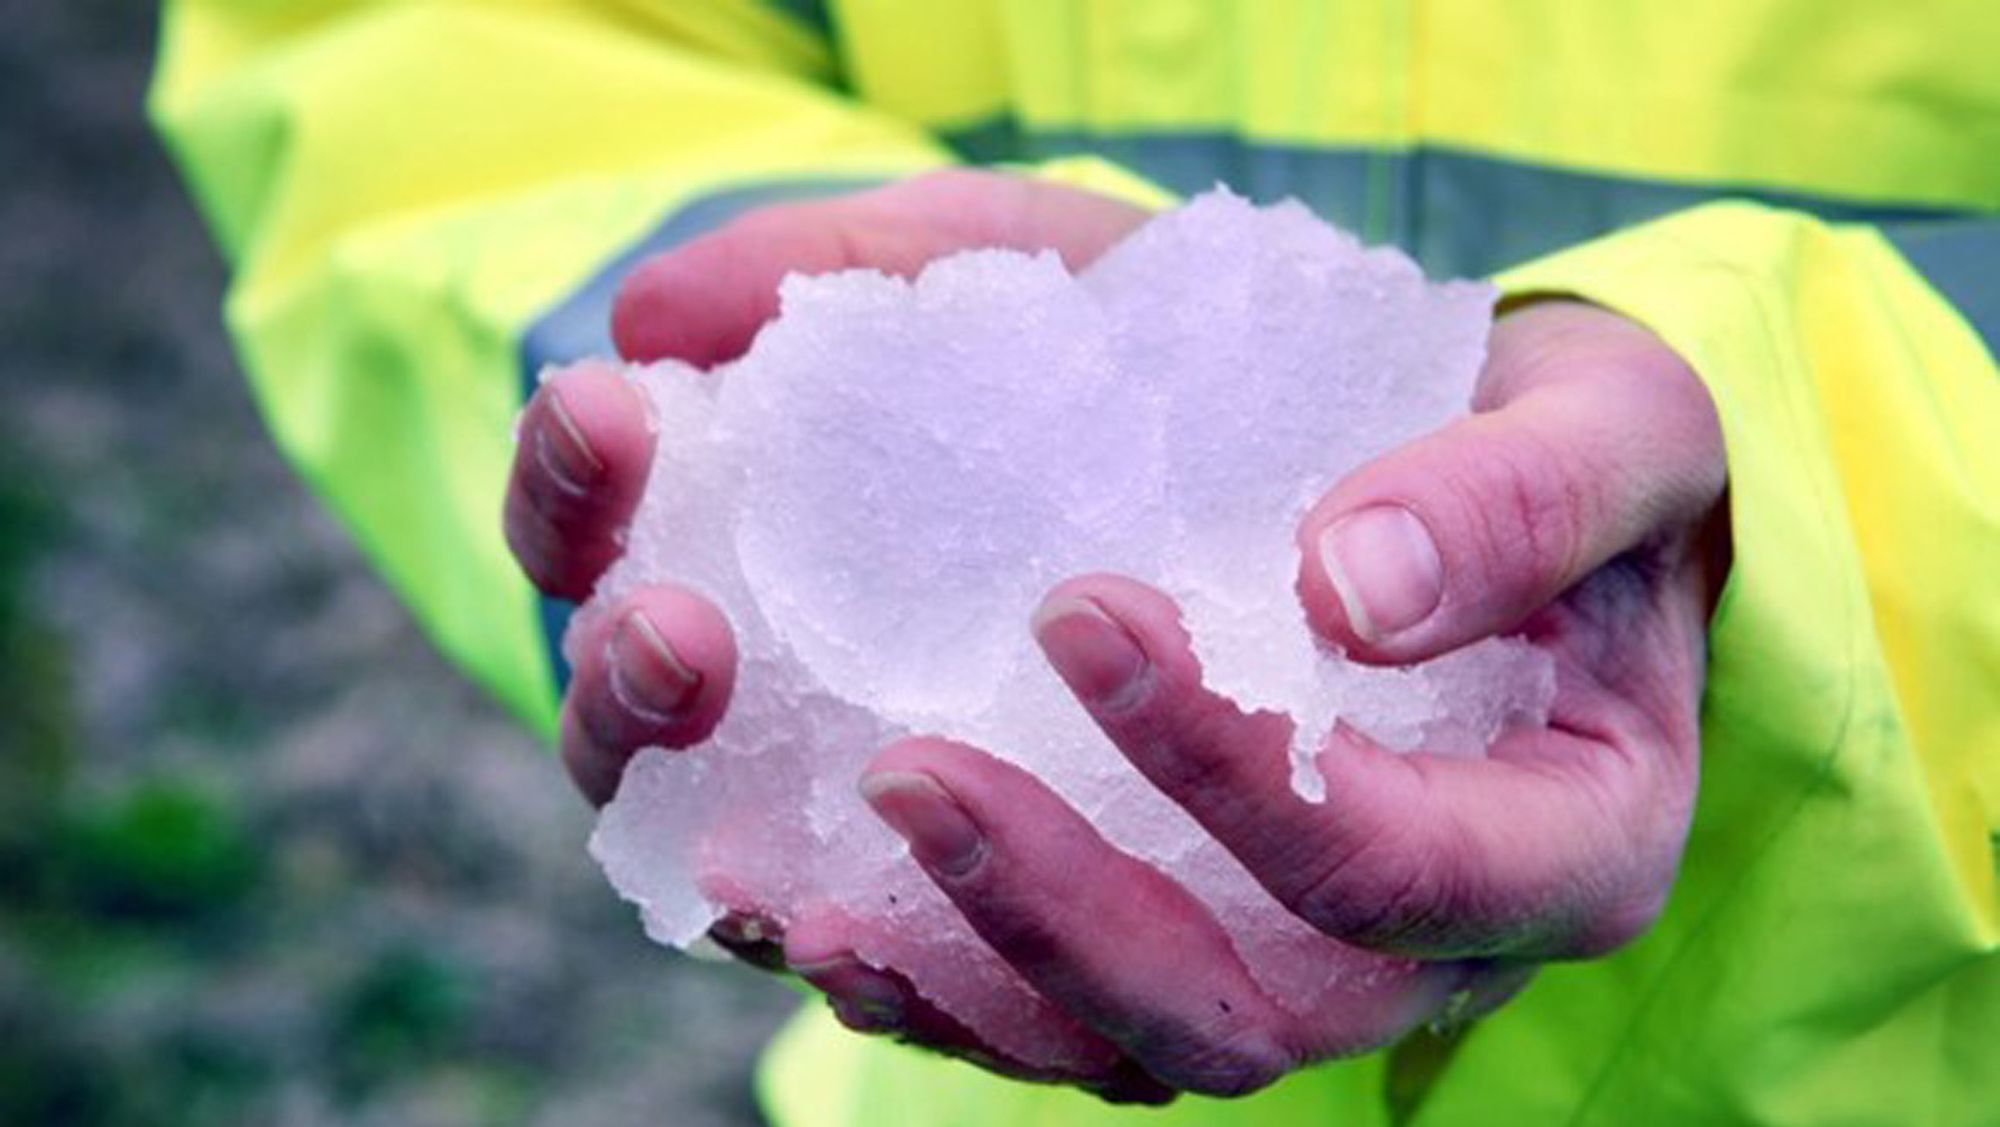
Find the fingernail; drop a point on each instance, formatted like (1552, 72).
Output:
(1093, 653)
(562, 452)
(942, 837)
(647, 677)
(1384, 567)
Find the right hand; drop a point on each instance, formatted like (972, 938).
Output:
(658, 671)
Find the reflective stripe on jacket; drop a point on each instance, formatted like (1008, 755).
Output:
(424, 202)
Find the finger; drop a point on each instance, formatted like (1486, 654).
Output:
(579, 470)
(1118, 943)
(1104, 935)
(1064, 907)
(1120, 647)
(1591, 438)
(868, 999)
(655, 672)
(703, 302)
(1552, 846)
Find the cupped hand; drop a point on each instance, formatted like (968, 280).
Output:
(658, 670)
(1578, 506)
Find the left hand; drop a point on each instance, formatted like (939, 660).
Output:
(1580, 505)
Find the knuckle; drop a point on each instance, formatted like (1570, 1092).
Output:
(1387, 892)
(1514, 515)
(1194, 745)
(1185, 760)
(1620, 924)
(1218, 764)
(1226, 1063)
(1532, 512)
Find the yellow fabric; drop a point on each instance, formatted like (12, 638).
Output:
(1861, 416)
(403, 187)
(1861, 99)
(1829, 951)
(816, 1074)
(1887, 100)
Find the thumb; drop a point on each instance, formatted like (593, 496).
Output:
(1590, 438)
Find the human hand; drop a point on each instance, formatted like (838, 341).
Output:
(661, 674)
(658, 669)
(1580, 505)
(585, 445)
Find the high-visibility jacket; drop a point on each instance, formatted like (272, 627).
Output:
(424, 202)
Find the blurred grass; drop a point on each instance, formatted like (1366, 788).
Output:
(97, 890)
(263, 858)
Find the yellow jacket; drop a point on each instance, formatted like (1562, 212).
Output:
(425, 201)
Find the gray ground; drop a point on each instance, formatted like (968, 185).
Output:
(263, 856)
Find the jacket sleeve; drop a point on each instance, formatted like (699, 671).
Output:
(404, 190)
(1829, 951)
(1836, 920)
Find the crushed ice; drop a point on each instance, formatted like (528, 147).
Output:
(881, 491)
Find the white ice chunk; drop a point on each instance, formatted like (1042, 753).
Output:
(880, 492)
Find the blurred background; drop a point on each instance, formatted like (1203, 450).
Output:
(263, 857)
